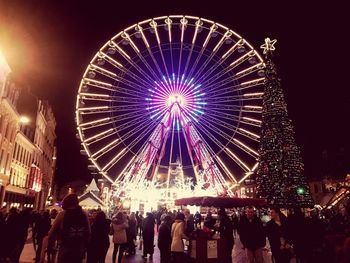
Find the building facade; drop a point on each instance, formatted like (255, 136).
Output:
(27, 145)
(44, 140)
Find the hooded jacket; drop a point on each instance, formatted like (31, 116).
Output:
(118, 228)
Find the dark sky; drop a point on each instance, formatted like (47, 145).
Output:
(50, 43)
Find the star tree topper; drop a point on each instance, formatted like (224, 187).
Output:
(269, 45)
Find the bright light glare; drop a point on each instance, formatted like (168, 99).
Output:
(24, 119)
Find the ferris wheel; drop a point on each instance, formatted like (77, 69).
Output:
(173, 92)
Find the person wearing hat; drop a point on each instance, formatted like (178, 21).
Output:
(164, 238)
(177, 235)
(72, 230)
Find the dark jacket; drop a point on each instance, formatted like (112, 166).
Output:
(164, 236)
(251, 233)
(99, 234)
(148, 234)
(275, 233)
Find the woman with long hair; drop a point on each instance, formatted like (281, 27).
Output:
(118, 230)
(99, 241)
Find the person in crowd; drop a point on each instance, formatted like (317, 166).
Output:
(13, 233)
(92, 216)
(99, 241)
(189, 222)
(177, 236)
(198, 219)
(43, 226)
(252, 235)
(226, 233)
(209, 221)
(72, 230)
(148, 236)
(277, 233)
(164, 239)
(235, 221)
(301, 235)
(157, 217)
(53, 215)
(35, 219)
(131, 234)
(25, 221)
(2, 235)
(118, 230)
(140, 224)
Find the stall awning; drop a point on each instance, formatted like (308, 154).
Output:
(226, 202)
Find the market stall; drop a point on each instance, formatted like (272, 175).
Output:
(207, 246)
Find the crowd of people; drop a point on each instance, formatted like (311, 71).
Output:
(74, 235)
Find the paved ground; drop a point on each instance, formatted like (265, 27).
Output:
(238, 254)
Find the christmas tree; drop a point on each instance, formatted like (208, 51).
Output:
(279, 175)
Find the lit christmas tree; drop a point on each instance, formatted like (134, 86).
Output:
(279, 176)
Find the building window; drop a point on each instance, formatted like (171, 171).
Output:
(7, 161)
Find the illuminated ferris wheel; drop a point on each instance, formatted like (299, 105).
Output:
(170, 93)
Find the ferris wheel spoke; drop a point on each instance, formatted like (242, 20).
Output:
(114, 77)
(96, 155)
(168, 23)
(161, 53)
(201, 52)
(114, 160)
(99, 136)
(220, 162)
(131, 62)
(121, 68)
(219, 62)
(210, 58)
(212, 126)
(199, 23)
(140, 30)
(216, 91)
(235, 77)
(234, 157)
(209, 78)
(233, 98)
(138, 52)
(141, 57)
(214, 118)
(107, 109)
(138, 120)
(142, 135)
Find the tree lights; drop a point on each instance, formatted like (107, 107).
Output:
(280, 176)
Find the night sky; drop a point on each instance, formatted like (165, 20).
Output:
(49, 44)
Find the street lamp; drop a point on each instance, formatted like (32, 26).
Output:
(24, 120)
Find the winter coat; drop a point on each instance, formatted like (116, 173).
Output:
(276, 233)
(164, 236)
(148, 235)
(251, 233)
(177, 234)
(119, 231)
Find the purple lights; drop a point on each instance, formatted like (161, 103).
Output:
(179, 96)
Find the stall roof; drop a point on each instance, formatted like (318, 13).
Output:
(226, 202)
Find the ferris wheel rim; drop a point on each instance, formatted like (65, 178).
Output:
(80, 131)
